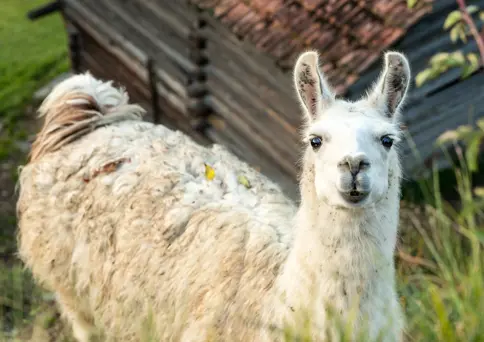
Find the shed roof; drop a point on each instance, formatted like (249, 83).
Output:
(349, 34)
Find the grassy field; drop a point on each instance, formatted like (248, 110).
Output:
(440, 257)
(31, 54)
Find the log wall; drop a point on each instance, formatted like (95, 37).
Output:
(191, 74)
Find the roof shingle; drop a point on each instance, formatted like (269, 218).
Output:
(349, 34)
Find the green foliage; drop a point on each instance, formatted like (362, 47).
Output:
(18, 296)
(471, 137)
(453, 18)
(455, 23)
(445, 295)
(31, 54)
(444, 61)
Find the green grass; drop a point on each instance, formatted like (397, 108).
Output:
(444, 291)
(31, 54)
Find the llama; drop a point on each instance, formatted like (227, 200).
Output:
(117, 217)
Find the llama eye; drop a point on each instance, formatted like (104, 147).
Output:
(316, 142)
(386, 141)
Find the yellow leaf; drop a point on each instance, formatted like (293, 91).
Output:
(474, 59)
(452, 19)
(458, 57)
(464, 129)
(411, 3)
(438, 58)
(209, 172)
(480, 124)
(447, 136)
(244, 181)
(479, 191)
(462, 34)
(454, 33)
(472, 9)
(423, 76)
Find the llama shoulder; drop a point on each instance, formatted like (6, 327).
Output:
(138, 153)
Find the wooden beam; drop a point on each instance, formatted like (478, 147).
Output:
(44, 10)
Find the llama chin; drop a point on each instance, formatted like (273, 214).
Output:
(117, 217)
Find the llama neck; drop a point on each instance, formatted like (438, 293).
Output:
(324, 227)
(340, 254)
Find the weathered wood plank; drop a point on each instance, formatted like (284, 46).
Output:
(95, 55)
(221, 84)
(98, 29)
(106, 66)
(280, 99)
(132, 57)
(100, 15)
(286, 159)
(172, 119)
(140, 20)
(257, 122)
(256, 60)
(177, 14)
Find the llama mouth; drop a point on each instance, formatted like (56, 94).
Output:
(354, 196)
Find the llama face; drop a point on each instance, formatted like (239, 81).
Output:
(353, 151)
(352, 146)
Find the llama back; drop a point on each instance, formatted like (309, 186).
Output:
(116, 216)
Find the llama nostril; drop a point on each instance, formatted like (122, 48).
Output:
(345, 165)
(364, 164)
(354, 165)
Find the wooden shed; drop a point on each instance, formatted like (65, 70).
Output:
(221, 70)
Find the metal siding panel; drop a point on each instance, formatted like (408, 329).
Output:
(438, 114)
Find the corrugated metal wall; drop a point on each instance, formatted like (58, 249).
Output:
(443, 103)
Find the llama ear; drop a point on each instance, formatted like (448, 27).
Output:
(311, 87)
(391, 88)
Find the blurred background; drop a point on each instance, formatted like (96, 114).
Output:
(221, 71)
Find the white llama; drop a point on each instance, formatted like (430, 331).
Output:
(118, 218)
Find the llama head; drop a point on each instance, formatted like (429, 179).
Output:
(351, 158)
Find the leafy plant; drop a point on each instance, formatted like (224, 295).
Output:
(460, 25)
(472, 139)
(444, 287)
(444, 61)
